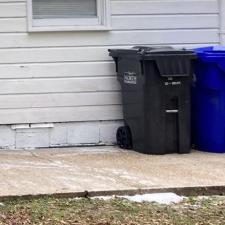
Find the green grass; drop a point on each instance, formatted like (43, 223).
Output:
(84, 211)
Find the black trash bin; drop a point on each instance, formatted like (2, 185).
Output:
(155, 86)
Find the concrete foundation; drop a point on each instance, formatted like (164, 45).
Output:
(26, 136)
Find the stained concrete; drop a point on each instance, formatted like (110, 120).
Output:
(65, 170)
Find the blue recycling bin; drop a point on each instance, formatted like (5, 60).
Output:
(208, 100)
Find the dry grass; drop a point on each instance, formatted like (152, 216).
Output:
(48, 211)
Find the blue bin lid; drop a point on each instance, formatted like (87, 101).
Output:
(211, 53)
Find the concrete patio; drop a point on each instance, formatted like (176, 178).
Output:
(100, 169)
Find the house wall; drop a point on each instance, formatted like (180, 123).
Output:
(222, 21)
(68, 79)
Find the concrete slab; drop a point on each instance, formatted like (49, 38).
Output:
(49, 171)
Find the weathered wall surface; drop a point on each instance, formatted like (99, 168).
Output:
(67, 78)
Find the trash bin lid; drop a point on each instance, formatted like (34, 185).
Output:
(169, 61)
(211, 53)
(161, 50)
(151, 51)
(145, 49)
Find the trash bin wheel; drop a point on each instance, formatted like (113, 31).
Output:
(123, 137)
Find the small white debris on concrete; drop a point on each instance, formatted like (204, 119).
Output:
(2, 204)
(161, 198)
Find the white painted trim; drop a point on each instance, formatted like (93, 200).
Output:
(102, 22)
(20, 126)
(66, 22)
(68, 28)
(29, 15)
(222, 21)
(42, 125)
(31, 126)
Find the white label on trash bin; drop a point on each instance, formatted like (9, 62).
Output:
(173, 83)
(130, 78)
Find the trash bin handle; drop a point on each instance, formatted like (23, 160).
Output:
(116, 63)
(142, 67)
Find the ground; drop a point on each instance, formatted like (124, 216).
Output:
(105, 169)
(85, 211)
(72, 171)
